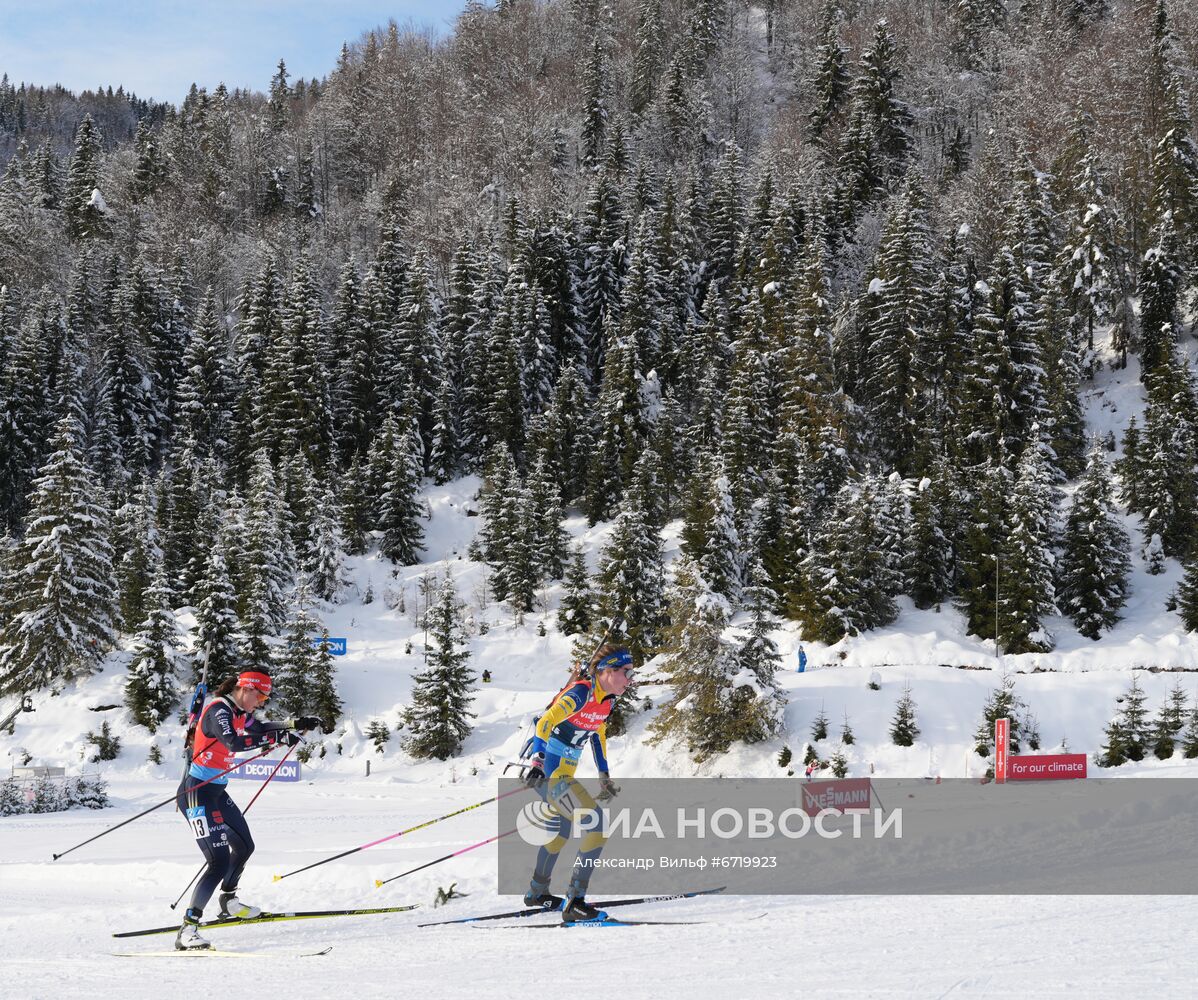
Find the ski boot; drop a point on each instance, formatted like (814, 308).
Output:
(539, 895)
(577, 910)
(188, 938)
(232, 908)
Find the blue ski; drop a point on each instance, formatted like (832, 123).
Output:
(534, 910)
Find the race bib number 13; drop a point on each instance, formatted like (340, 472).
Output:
(198, 821)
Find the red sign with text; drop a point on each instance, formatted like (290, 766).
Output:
(848, 793)
(1046, 767)
(1002, 734)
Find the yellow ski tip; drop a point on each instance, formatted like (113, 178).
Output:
(378, 883)
(277, 878)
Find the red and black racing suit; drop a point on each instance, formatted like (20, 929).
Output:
(217, 823)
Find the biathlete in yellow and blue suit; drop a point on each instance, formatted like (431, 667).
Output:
(578, 716)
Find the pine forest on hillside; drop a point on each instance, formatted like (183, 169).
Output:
(823, 281)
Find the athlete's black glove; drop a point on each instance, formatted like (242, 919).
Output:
(534, 772)
(288, 738)
(306, 723)
(608, 789)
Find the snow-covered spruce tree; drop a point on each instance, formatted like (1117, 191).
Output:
(903, 730)
(190, 511)
(1187, 596)
(295, 411)
(207, 391)
(257, 629)
(65, 597)
(218, 628)
(545, 530)
(631, 578)
(400, 512)
(899, 302)
(1161, 280)
(1088, 264)
(649, 57)
(298, 484)
(497, 503)
(438, 720)
(1175, 162)
(1094, 566)
(1189, 737)
(1026, 559)
(520, 573)
(748, 409)
(1154, 555)
(577, 611)
(1168, 724)
(848, 584)
(1168, 484)
(819, 725)
(758, 703)
(9, 579)
(830, 79)
(711, 534)
(150, 690)
(294, 662)
(700, 665)
(565, 432)
(930, 551)
(326, 556)
(1002, 703)
(83, 207)
(323, 698)
(266, 567)
(135, 537)
(1127, 735)
(354, 505)
(624, 426)
(987, 493)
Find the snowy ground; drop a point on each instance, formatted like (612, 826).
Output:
(56, 917)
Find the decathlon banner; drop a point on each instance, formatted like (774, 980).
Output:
(260, 770)
(1046, 767)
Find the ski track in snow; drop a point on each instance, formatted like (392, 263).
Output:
(56, 917)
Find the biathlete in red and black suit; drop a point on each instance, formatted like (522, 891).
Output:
(577, 716)
(227, 726)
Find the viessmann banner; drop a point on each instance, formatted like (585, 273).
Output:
(887, 836)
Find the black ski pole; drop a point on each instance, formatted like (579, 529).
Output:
(146, 812)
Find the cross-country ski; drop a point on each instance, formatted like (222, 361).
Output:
(218, 953)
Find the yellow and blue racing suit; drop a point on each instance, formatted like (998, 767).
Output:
(578, 716)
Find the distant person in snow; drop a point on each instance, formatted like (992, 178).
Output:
(577, 716)
(226, 727)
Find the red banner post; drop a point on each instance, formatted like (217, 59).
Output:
(1002, 740)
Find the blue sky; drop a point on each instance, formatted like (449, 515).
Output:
(156, 48)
